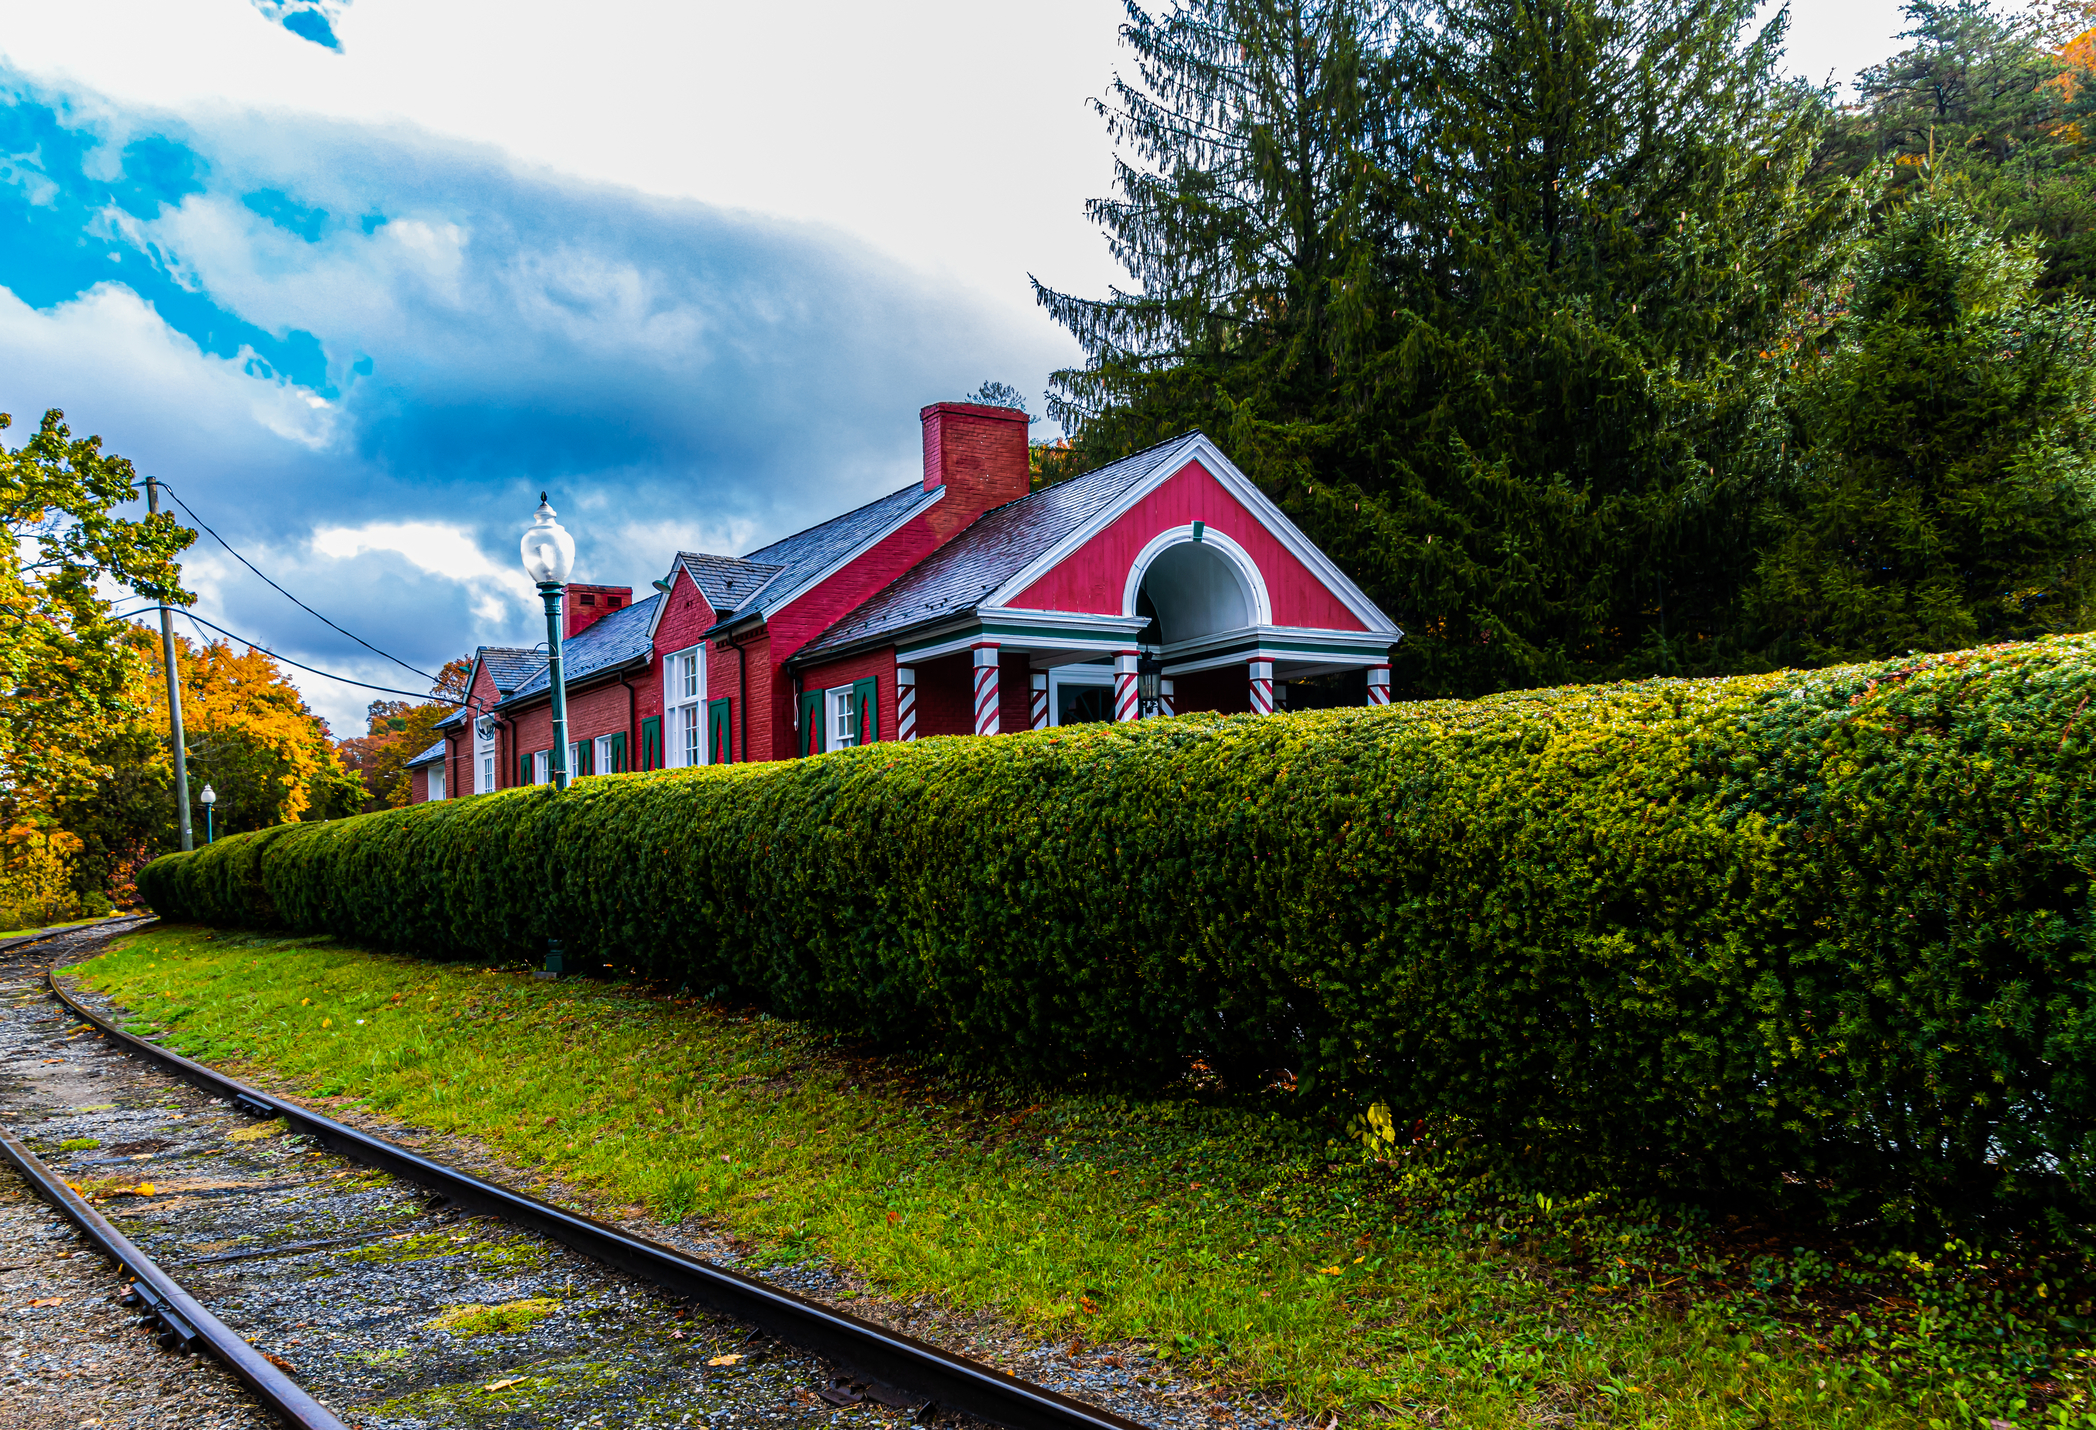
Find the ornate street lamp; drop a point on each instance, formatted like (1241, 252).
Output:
(209, 797)
(549, 555)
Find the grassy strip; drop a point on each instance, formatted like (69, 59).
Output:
(1227, 1236)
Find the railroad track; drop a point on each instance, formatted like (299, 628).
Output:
(327, 1267)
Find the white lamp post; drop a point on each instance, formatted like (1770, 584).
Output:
(209, 797)
(549, 555)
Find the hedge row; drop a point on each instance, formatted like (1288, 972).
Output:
(1817, 938)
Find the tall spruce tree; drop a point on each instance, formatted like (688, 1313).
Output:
(1480, 294)
(1946, 463)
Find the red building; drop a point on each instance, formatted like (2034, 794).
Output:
(962, 604)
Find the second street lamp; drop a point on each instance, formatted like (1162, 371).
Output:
(549, 555)
(208, 798)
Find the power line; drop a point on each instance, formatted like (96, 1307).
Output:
(198, 620)
(295, 600)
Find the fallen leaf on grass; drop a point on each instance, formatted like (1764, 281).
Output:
(280, 1363)
(49, 1301)
(725, 1360)
(504, 1384)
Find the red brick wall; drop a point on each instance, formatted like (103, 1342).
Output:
(875, 665)
(946, 695)
(1014, 694)
(418, 784)
(598, 709)
(978, 454)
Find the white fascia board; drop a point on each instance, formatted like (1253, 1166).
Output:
(1337, 649)
(910, 513)
(663, 605)
(1022, 629)
(1199, 448)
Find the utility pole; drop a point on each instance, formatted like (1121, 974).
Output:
(174, 697)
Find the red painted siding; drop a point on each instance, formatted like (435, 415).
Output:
(1092, 577)
(877, 666)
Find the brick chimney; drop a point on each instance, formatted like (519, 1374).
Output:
(589, 604)
(978, 454)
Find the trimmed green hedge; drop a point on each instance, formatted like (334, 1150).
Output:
(1810, 938)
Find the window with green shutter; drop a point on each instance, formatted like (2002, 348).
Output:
(618, 754)
(651, 743)
(811, 723)
(720, 732)
(866, 705)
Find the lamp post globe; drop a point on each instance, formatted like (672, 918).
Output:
(208, 798)
(549, 552)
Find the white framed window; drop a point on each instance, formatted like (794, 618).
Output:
(484, 754)
(1079, 694)
(574, 758)
(542, 767)
(842, 719)
(603, 753)
(436, 781)
(684, 706)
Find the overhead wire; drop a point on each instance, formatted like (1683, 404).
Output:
(291, 598)
(199, 621)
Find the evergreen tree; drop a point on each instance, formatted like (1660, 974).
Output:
(1481, 295)
(1945, 491)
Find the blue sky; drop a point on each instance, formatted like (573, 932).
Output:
(360, 277)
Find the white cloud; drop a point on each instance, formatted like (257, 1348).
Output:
(440, 550)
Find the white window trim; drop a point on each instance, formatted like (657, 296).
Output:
(1061, 675)
(436, 781)
(675, 702)
(831, 725)
(483, 759)
(542, 767)
(602, 764)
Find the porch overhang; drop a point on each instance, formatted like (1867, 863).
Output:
(1050, 638)
(1297, 652)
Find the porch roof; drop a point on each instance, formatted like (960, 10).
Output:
(429, 756)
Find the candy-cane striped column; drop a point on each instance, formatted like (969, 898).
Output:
(1126, 704)
(905, 702)
(986, 721)
(1379, 685)
(1165, 704)
(1262, 687)
(1040, 702)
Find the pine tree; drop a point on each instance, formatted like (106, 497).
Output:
(1946, 470)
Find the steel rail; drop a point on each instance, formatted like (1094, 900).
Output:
(184, 1324)
(876, 1353)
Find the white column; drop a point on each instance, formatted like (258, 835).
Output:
(1126, 704)
(1379, 685)
(1040, 700)
(905, 702)
(986, 721)
(1262, 687)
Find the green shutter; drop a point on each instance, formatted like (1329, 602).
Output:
(618, 754)
(651, 743)
(524, 769)
(811, 723)
(720, 732)
(866, 703)
(585, 759)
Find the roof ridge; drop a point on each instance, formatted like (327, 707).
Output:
(862, 506)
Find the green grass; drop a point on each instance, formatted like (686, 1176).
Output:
(1253, 1247)
(79, 1144)
(505, 1319)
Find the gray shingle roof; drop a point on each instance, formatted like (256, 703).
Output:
(508, 666)
(609, 642)
(727, 582)
(429, 756)
(807, 553)
(990, 552)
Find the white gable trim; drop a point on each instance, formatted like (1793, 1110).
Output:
(663, 605)
(1198, 448)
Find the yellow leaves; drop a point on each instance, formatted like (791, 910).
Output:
(327, 1022)
(725, 1360)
